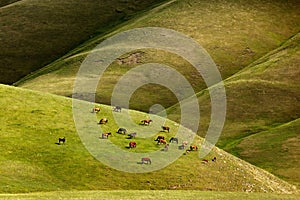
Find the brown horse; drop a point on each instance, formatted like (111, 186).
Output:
(105, 135)
(166, 128)
(96, 110)
(146, 160)
(193, 148)
(160, 137)
(103, 121)
(146, 121)
(161, 142)
(132, 144)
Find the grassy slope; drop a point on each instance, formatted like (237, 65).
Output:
(276, 150)
(31, 161)
(35, 33)
(234, 34)
(263, 96)
(148, 194)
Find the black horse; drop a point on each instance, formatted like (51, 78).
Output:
(131, 135)
(173, 139)
(63, 140)
(117, 109)
(122, 130)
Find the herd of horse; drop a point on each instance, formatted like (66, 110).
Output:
(132, 144)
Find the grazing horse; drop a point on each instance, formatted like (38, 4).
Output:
(117, 109)
(132, 144)
(95, 110)
(173, 140)
(161, 142)
(193, 148)
(214, 159)
(146, 121)
(63, 140)
(160, 137)
(105, 135)
(146, 160)
(103, 121)
(131, 135)
(122, 130)
(166, 128)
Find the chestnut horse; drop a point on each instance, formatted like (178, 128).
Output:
(96, 110)
(162, 142)
(146, 160)
(160, 137)
(166, 128)
(193, 148)
(146, 121)
(132, 144)
(105, 135)
(103, 121)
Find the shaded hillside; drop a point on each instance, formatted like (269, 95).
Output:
(276, 150)
(35, 33)
(263, 99)
(7, 2)
(234, 33)
(31, 161)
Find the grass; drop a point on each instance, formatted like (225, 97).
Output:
(225, 30)
(146, 194)
(280, 141)
(31, 161)
(40, 32)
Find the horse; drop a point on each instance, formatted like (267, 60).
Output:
(117, 109)
(103, 121)
(166, 128)
(173, 140)
(161, 142)
(131, 135)
(63, 140)
(95, 110)
(193, 148)
(214, 159)
(122, 130)
(105, 135)
(146, 121)
(132, 144)
(147, 160)
(160, 137)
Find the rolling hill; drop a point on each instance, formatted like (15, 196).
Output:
(255, 48)
(255, 45)
(261, 98)
(32, 161)
(35, 33)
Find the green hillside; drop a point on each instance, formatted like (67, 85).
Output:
(234, 34)
(35, 33)
(32, 161)
(276, 150)
(260, 99)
